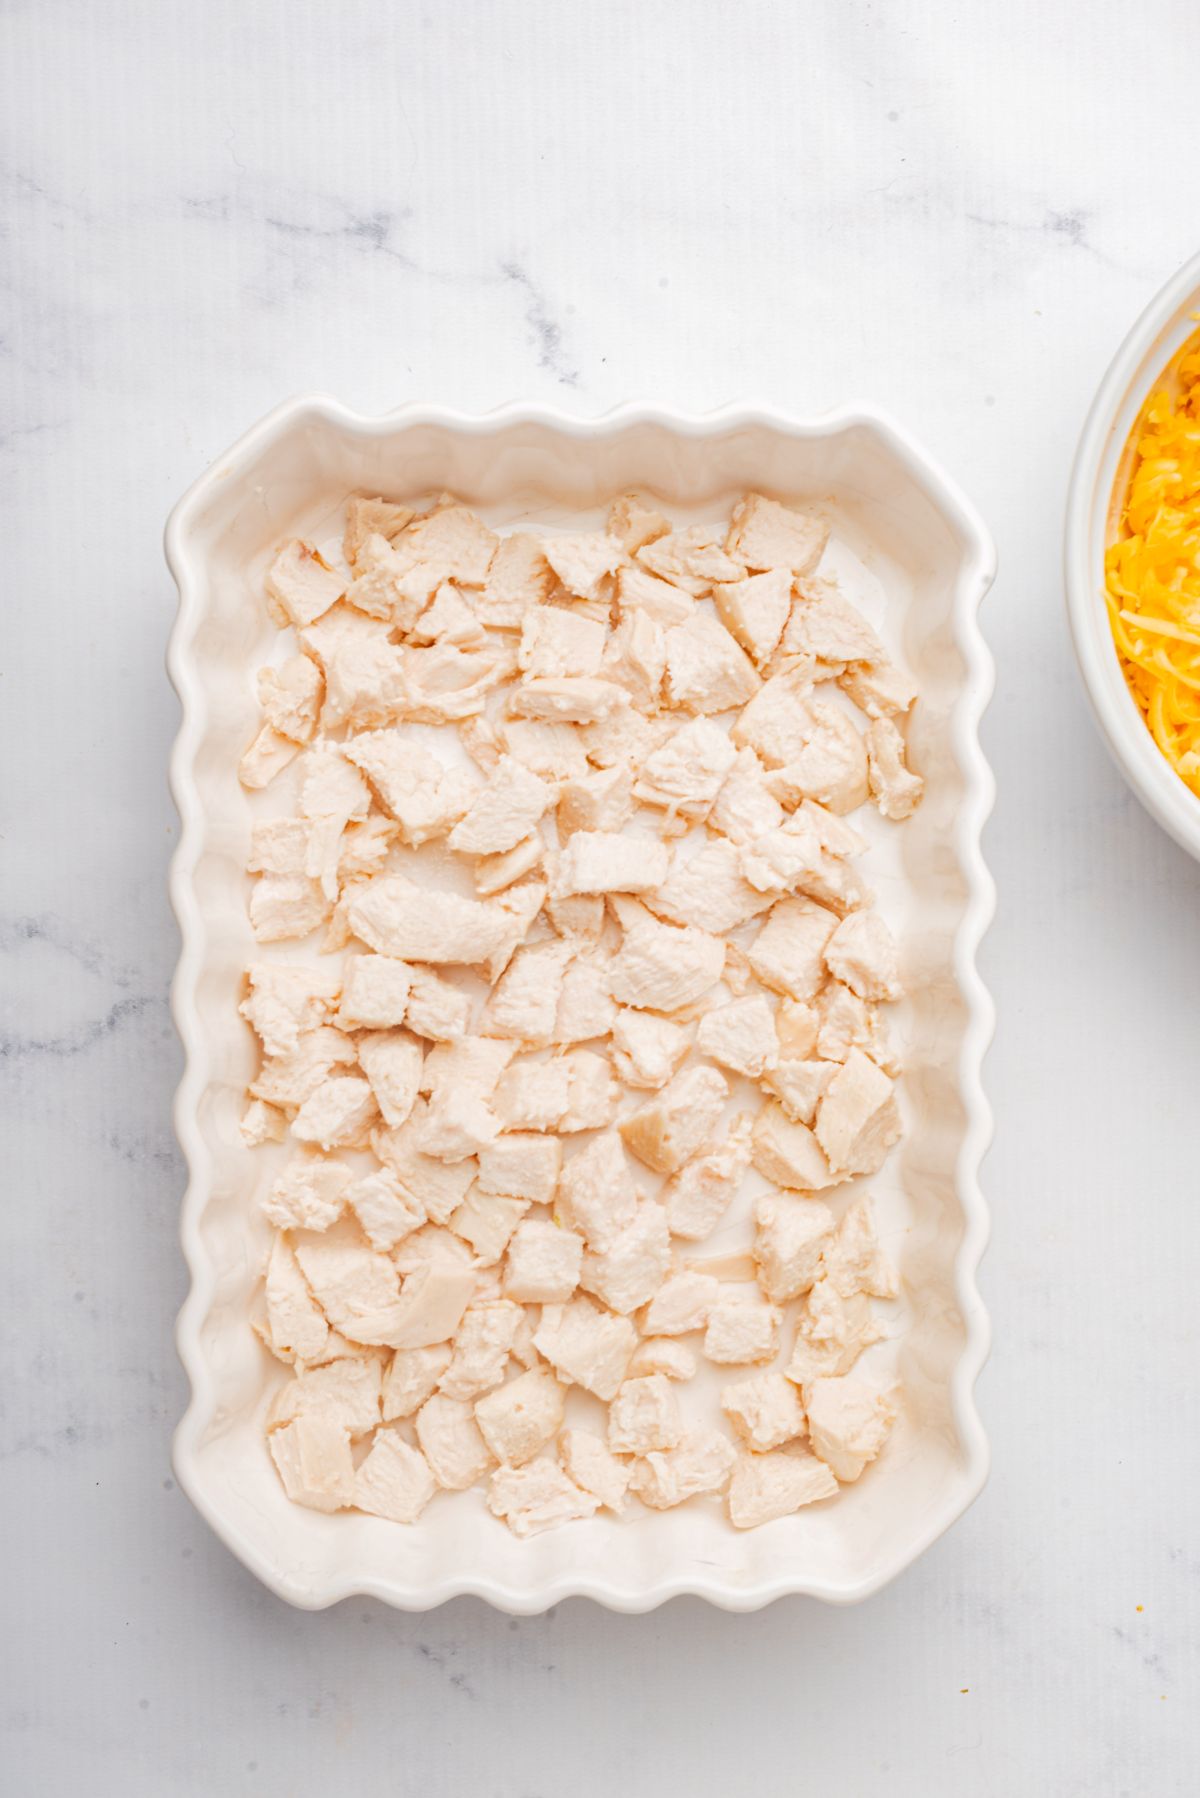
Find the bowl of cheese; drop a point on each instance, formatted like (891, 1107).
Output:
(1133, 557)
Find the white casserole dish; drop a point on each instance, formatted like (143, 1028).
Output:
(927, 561)
(1092, 523)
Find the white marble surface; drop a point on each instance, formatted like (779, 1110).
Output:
(954, 211)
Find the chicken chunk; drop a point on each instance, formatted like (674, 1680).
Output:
(741, 1036)
(777, 722)
(790, 1238)
(301, 583)
(681, 1304)
(679, 1122)
(587, 1346)
(862, 954)
(647, 1049)
(600, 861)
(708, 890)
(755, 610)
(504, 811)
(295, 1321)
(597, 1186)
(742, 1326)
(538, 1497)
(339, 1114)
(425, 798)
(765, 1410)
(764, 1487)
(665, 1355)
(385, 1211)
(394, 1481)
(599, 801)
(582, 561)
(436, 1008)
(691, 558)
(290, 696)
(700, 1463)
(567, 699)
(518, 579)
(643, 1416)
(518, 1419)
(788, 1153)
(544, 1263)
(411, 1378)
(707, 671)
(698, 1196)
(285, 1001)
(857, 1120)
(686, 773)
(523, 1006)
(486, 1220)
(663, 967)
(635, 656)
(632, 523)
(587, 1461)
(832, 767)
(313, 1460)
(395, 917)
(848, 1424)
(375, 994)
(391, 1060)
(558, 642)
(345, 1392)
(663, 601)
(628, 1273)
(745, 809)
(451, 1443)
(763, 534)
(521, 1165)
(586, 1008)
(896, 790)
(787, 955)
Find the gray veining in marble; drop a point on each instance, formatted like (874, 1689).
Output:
(954, 211)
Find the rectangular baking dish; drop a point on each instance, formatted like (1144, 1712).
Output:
(928, 561)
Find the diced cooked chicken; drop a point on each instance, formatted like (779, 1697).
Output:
(544, 1262)
(518, 1419)
(287, 1080)
(412, 1377)
(853, 1261)
(764, 534)
(699, 1463)
(862, 954)
(787, 955)
(788, 1153)
(286, 906)
(686, 772)
(631, 522)
(533, 1095)
(365, 685)
(691, 558)
(290, 696)
(665, 1355)
(896, 790)
(755, 610)
(635, 656)
(339, 1114)
(742, 1326)
(457, 1123)
(444, 684)
(440, 1186)
(582, 562)
(386, 1212)
(365, 847)
(302, 584)
(794, 859)
(591, 1092)
(391, 1060)
(598, 1187)
(880, 689)
(357, 1288)
(558, 642)
(826, 627)
(538, 1497)
(765, 1410)
(777, 723)
(425, 798)
(516, 908)
(663, 601)
(375, 993)
(587, 1461)
(764, 1487)
(628, 1273)
(599, 801)
(436, 1008)
(432, 1301)
(524, 1003)
(831, 767)
(333, 794)
(314, 1462)
(308, 1195)
(624, 738)
(579, 920)
(587, 1346)
(504, 811)
(344, 1392)
(799, 1085)
(284, 1001)
(519, 577)
(707, 671)
(791, 1236)
(295, 1322)
(395, 917)
(394, 1481)
(493, 873)
(708, 890)
(555, 751)
(745, 809)
(451, 1443)
(481, 1349)
(663, 967)
(844, 1022)
(848, 1424)
(278, 846)
(698, 1196)
(453, 543)
(370, 518)
(741, 1036)
(857, 1120)
(679, 1122)
(262, 1123)
(602, 861)
(681, 1304)
(567, 699)
(586, 1008)
(520, 1165)
(449, 619)
(796, 1025)
(644, 1416)
(486, 1220)
(832, 1331)
(647, 1049)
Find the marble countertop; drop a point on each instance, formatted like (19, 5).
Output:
(955, 212)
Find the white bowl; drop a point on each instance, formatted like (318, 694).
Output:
(1158, 335)
(932, 562)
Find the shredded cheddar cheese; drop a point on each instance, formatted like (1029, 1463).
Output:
(1152, 574)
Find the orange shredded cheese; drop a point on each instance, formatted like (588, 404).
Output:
(1152, 574)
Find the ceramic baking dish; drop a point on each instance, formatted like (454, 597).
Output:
(923, 562)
